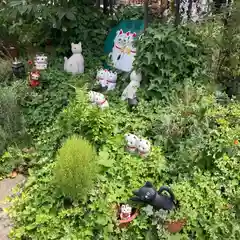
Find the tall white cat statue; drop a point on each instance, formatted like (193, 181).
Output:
(131, 89)
(75, 64)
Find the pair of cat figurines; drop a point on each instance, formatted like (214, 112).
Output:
(137, 145)
(98, 99)
(107, 79)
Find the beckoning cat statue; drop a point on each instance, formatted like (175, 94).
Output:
(132, 142)
(148, 194)
(98, 99)
(107, 78)
(131, 89)
(41, 62)
(125, 212)
(143, 147)
(75, 64)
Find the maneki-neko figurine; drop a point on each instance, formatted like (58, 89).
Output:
(34, 78)
(41, 62)
(125, 212)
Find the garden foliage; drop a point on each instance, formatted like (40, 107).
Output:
(194, 136)
(170, 56)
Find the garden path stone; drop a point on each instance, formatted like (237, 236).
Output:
(6, 186)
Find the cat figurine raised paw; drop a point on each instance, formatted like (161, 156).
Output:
(75, 64)
(101, 101)
(144, 147)
(132, 142)
(102, 77)
(111, 80)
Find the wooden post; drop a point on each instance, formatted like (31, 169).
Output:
(177, 12)
(145, 14)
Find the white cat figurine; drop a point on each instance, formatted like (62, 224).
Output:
(112, 80)
(102, 77)
(41, 62)
(75, 64)
(101, 101)
(132, 142)
(92, 97)
(131, 89)
(144, 147)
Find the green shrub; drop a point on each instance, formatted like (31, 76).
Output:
(5, 71)
(169, 56)
(76, 168)
(12, 126)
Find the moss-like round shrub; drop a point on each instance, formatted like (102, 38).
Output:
(76, 168)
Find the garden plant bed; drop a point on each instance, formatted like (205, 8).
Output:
(89, 137)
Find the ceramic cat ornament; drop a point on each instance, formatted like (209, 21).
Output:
(107, 79)
(131, 89)
(143, 147)
(148, 194)
(75, 64)
(98, 99)
(125, 212)
(131, 141)
(41, 62)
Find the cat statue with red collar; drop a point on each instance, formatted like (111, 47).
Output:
(143, 147)
(75, 64)
(92, 97)
(132, 142)
(102, 77)
(112, 80)
(101, 101)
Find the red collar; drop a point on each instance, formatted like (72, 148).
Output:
(116, 46)
(103, 102)
(131, 147)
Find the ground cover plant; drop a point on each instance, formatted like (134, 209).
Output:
(195, 148)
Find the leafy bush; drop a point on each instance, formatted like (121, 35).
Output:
(11, 119)
(75, 168)
(42, 105)
(5, 71)
(61, 23)
(168, 56)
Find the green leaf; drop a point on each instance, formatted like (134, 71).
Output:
(104, 159)
(70, 16)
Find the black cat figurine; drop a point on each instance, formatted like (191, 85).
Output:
(147, 194)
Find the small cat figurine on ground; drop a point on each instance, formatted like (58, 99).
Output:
(98, 99)
(75, 64)
(112, 80)
(132, 142)
(125, 212)
(148, 194)
(102, 77)
(101, 101)
(144, 147)
(131, 89)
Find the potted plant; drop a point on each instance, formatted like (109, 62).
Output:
(175, 226)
